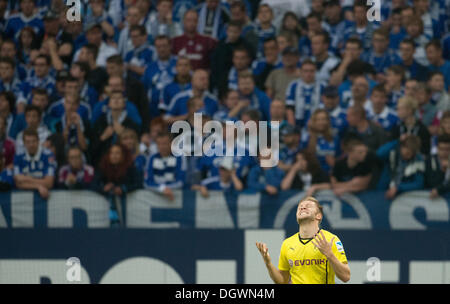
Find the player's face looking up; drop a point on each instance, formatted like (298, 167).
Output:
(308, 211)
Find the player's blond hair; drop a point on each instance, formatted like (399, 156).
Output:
(314, 200)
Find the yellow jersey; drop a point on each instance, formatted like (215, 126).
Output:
(305, 263)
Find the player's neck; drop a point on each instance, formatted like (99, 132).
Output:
(308, 229)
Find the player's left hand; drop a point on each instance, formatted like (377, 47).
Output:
(321, 243)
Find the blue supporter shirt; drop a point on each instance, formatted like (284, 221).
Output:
(164, 172)
(17, 22)
(178, 104)
(142, 56)
(325, 148)
(444, 69)
(7, 177)
(56, 110)
(102, 107)
(381, 63)
(170, 90)
(387, 119)
(40, 165)
(304, 98)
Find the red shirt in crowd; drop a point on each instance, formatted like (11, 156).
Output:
(198, 49)
(8, 150)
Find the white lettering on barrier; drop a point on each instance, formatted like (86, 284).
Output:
(429, 272)
(248, 207)
(388, 272)
(31, 271)
(141, 203)
(22, 209)
(401, 213)
(216, 271)
(141, 270)
(332, 213)
(212, 212)
(62, 203)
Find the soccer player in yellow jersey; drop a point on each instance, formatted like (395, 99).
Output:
(311, 256)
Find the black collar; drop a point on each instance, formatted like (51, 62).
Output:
(307, 239)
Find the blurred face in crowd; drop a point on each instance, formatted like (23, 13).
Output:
(196, 105)
(246, 85)
(406, 15)
(40, 100)
(406, 153)
(277, 110)
(114, 69)
(71, 104)
(115, 84)
(72, 87)
(422, 96)
(4, 105)
(330, 102)
(302, 161)
(445, 125)
(26, 37)
(164, 8)
(75, 159)
(264, 14)
(143, 5)
(32, 118)
(378, 100)
(333, 13)
(406, 52)
(233, 33)
(190, 22)
(116, 102)
(404, 111)
(291, 140)
(397, 20)
(163, 48)
(393, 78)
(94, 36)
(241, 60)
(282, 43)
(318, 45)
(411, 88)
(137, 38)
(115, 155)
(133, 16)
(353, 49)
(84, 55)
(8, 50)
(290, 60)
(2, 126)
(129, 141)
(321, 121)
(183, 67)
(443, 149)
(437, 83)
(421, 6)
(290, 23)
(200, 80)
(313, 24)
(212, 4)
(360, 14)
(352, 118)
(41, 67)
(380, 43)
(6, 72)
(434, 55)
(308, 73)
(413, 29)
(358, 153)
(232, 99)
(271, 51)
(238, 14)
(317, 6)
(76, 72)
(27, 7)
(31, 144)
(360, 88)
(164, 145)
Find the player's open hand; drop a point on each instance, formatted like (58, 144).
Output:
(262, 247)
(321, 243)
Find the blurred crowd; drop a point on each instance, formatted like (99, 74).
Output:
(359, 104)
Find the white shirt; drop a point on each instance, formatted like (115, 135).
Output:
(281, 7)
(104, 52)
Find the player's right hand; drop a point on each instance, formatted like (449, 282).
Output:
(262, 247)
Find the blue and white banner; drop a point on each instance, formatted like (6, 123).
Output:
(146, 209)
